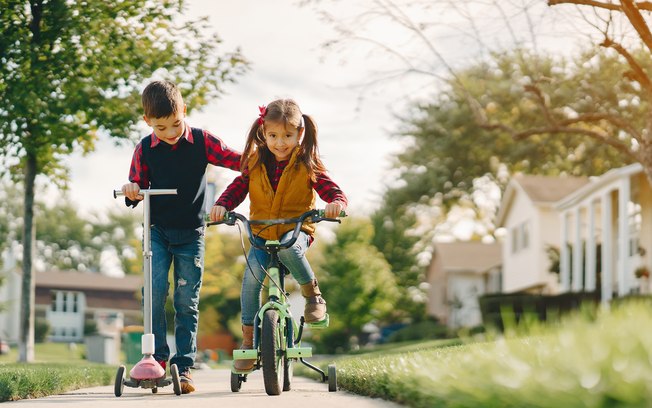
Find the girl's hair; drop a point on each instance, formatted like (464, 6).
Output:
(284, 111)
(161, 99)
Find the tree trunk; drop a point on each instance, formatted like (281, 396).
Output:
(26, 340)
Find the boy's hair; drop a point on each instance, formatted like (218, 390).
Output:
(287, 112)
(161, 99)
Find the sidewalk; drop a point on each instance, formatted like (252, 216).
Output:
(213, 389)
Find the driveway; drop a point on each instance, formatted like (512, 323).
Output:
(213, 390)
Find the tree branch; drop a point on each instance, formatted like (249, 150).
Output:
(641, 5)
(638, 73)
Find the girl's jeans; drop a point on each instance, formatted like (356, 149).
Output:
(294, 259)
(184, 247)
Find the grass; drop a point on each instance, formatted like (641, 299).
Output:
(599, 361)
(57, 369)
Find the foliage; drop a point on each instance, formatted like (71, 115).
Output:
(565, 363)
(357, 283)
(68, 239)
(41, 330)
(20, 381)
(223, 270)
(426, 329)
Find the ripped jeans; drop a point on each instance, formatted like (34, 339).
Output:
(184, 247)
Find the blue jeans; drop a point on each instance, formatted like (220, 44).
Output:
(184, 247)
(294, 259)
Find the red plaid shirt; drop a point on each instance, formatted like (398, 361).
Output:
(236, 192)
(217, 153)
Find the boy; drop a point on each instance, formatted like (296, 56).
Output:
(175, 156)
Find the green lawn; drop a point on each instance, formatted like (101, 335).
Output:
(604, 361)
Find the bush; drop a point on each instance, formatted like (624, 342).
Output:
(41, 330)
(427, 329)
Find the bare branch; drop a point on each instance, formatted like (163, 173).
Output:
(634, 15)
(638, 73)
(641, 5)
(615, 120)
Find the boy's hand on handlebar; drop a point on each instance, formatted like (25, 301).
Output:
(132, 191)
(217, 213)
(333, 210)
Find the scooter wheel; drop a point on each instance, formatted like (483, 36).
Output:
(119, 381)
(176, 383)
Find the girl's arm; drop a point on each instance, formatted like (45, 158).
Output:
(235, 193)
(331, 193)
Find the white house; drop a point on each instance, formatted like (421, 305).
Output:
(458, 274)
(607, 228)
(532, 223)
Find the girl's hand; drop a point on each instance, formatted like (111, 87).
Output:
(132, 191)
(217, 213)
(333, 210)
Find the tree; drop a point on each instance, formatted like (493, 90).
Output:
(70, 71)
(357, 284)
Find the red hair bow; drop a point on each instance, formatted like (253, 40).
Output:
(261, 116)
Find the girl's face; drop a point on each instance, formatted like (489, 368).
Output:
(280, 140)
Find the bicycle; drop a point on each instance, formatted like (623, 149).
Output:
(275, 345)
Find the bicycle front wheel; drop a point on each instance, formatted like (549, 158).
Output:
(271, 351)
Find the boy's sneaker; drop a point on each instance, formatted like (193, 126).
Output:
(185, 379)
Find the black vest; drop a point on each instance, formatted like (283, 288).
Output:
(183, 168)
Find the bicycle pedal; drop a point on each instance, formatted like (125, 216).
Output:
(245, 354)
(322, 324)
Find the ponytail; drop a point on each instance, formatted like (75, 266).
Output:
(309, 153)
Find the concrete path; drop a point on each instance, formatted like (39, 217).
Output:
(213, 390)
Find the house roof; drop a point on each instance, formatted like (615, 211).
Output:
(541, 190)
(86, 280)
(469, 256)
(597, 184)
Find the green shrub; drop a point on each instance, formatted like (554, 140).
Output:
(424, 330)
(41, 330)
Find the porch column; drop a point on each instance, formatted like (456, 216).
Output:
(590, 250)
(577, 252)
(623, 237)
(564, 256)
(607, 248)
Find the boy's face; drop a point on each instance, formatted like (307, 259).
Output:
(170, 128)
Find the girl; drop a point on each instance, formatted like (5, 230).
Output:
(281, 170)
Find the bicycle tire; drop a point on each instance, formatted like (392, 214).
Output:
(271, 353)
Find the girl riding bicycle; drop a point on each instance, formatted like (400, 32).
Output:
(281, 170)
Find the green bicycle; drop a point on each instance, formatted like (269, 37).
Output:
(277, 335)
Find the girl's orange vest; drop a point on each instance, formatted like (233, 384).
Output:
(294, 196)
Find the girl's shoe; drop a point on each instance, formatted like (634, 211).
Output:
(315, 309)
(185, 379)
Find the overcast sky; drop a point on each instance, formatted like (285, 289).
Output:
(282, 40)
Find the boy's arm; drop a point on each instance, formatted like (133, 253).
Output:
(235, 193)
(219, 154)
(138, 172)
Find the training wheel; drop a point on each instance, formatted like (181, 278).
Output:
(332, 378)
(176, 383)
(119, 381)
(236, 382)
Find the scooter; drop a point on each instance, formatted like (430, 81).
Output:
(147, 373)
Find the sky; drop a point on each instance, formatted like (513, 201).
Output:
(283, 42)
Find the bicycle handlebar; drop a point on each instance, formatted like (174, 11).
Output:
(313, 216)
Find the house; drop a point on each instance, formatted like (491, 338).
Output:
(528, 214)
(606, 228)
(458, 274)
(67, 300)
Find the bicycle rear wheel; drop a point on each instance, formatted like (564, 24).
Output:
(271, 351)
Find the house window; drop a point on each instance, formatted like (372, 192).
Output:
(520, 236)
(53, 305)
